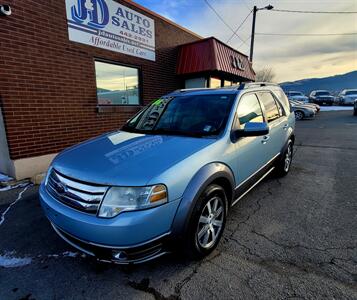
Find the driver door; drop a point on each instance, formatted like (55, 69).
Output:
(250, 152)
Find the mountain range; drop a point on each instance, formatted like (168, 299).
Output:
(334, 83)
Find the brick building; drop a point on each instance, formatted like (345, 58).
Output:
(73, 69)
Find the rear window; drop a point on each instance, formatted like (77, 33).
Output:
(283, 100)
(271, 108)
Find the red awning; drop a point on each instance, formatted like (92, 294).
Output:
(211, 55)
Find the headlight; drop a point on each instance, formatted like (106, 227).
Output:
(120, 199)
(47, 175)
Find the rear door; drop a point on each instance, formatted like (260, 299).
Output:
(277, 121)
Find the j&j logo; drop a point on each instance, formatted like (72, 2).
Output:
(93, 12)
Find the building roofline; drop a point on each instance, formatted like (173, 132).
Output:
(219, 41)
(162, 18)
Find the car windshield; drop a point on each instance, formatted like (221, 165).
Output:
(295, 94)
(198, 115)
(322, 94)
(348, 93)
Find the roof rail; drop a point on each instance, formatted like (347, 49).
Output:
(247, 85)
(192, 89)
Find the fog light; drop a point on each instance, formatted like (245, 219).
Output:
(119, 255)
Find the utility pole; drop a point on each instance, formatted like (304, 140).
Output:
(255, 9)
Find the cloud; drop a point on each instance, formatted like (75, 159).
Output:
(291, 57)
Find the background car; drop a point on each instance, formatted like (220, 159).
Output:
(298, 96)
(347, 97)
(321, 97)
(302, 111)
(314, 106)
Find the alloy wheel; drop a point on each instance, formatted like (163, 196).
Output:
(299, 115)
(210, 222)
(288, 158)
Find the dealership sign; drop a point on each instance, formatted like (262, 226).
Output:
(109, 25)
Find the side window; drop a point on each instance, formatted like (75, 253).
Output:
(282, 100)
(249, 110)
(271, 109)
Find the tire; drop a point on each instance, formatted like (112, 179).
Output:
(355, 112)
(282, 168)
(299, 115)
(200, 241)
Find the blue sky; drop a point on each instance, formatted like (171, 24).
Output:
(291, 57)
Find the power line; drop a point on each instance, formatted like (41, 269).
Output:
(306, 34)
(240, 25)
(244, 42)
(221, 18)
(314, 11)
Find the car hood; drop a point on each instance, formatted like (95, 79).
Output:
(294, 106)
(127, 159)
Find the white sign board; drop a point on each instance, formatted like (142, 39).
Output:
(109, 25)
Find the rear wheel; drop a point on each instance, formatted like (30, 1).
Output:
(207, 222)
(299, 115)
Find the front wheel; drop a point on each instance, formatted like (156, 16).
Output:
(282, 168)
(207, 222)
(299, 115)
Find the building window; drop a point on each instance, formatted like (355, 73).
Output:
(227, 83)
(116, 84)
(215, 83)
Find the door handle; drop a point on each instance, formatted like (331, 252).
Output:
(265, 139)
(286, 126)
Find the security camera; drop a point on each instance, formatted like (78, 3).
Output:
(5, 10)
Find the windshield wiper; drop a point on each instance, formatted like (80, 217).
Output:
(176, 132)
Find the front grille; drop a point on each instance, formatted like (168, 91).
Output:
(78, 195)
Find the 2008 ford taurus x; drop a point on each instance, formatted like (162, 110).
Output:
(168, 178)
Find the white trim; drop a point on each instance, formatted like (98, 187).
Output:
(247, 191)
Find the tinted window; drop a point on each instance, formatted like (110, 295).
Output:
(295, 94)
(354, 92)
(249, 110)
(322, 94)
(283, 99)
(186, 115)
(271, 109)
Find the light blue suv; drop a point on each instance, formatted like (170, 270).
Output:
(168, 178)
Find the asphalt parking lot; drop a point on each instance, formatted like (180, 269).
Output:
(294, 237)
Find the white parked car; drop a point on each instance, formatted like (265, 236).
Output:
(347, 97)
(297, 96)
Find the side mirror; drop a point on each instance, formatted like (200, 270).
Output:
(252, 129)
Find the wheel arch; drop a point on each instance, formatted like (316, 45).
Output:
(212, 173)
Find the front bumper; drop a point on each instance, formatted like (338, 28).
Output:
(119, 255)
(324, 101)
(138, 234)
(347, 101)
(309, 114)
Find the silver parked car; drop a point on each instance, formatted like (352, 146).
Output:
(297, 96)
(347, 97)
(314, 106)
(302, 111)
